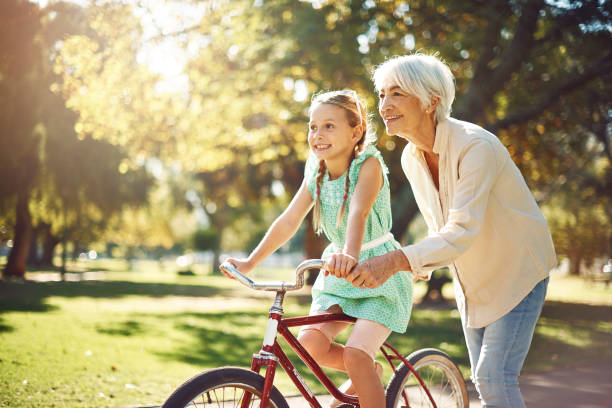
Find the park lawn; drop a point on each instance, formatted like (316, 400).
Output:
(130, 338)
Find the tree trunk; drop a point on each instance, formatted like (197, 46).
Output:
(216, 261)
(76, 250)
(218, 223)
(575, 261)
(64, 242)
(50, 242)
(33, 258)
(16, 264)
(404, 209)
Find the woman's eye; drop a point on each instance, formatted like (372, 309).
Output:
(329, 126)
(313, 128)
(381, 96)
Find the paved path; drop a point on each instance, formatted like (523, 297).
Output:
(580, 387)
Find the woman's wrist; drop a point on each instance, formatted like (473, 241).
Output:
(399, 261)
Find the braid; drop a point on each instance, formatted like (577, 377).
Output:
(316, 215)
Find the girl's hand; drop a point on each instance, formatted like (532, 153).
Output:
(243, 266)
(340, 264)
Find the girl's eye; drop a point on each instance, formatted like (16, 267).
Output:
(329, 126)
(313, 128)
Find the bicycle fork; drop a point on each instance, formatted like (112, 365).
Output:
(266, 356)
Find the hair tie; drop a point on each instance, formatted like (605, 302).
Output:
(345, 196)
(318, 192)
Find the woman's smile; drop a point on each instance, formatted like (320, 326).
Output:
(391, 118)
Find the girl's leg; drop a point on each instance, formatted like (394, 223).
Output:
(317, 339)
(364, 341)
(504, 346)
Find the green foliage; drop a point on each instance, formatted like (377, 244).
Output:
(205, 239)
(536, 73)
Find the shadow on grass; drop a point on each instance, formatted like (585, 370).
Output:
(569, 334)
(577, 312)
(127, 328)
(433, 327)
(5, 328)
(31, 296)
(213, 346)
(219, 340)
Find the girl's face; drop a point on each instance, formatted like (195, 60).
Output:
(330, 136)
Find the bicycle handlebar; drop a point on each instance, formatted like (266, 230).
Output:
(274, 286)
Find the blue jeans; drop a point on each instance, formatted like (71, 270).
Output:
(497, 351)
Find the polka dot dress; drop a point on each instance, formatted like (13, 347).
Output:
(389, 304)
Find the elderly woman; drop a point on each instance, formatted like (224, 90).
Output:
(483, 222)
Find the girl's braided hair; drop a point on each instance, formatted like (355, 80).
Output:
(356, 114)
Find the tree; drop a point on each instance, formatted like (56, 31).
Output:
(516, 64)
(20, 73)
(53, 176)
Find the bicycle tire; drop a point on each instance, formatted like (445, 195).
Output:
(229, 383)
(439, 373)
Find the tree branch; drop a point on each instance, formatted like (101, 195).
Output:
(603, 66)
(483, 87)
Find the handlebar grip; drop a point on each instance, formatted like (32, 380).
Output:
(274, 286)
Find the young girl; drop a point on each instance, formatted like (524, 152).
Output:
(346, 180)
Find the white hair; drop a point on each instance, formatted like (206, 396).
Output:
(420, 75)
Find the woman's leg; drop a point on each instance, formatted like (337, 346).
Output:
(503, 348)
(359, 353)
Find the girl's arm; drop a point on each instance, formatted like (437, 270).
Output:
(366, 190)
(281, 230)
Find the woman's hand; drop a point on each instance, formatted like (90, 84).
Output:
(244, 266)
(339, 264)
(373, 272)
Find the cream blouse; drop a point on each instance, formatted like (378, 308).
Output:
(483, 222)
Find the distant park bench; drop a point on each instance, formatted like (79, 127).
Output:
(603, 274)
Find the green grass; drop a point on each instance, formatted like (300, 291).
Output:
(130, 338)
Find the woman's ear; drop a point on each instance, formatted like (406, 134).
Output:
(433, 104)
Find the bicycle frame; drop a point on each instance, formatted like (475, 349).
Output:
(272, 354)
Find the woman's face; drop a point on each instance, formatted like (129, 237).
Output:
(401, 112)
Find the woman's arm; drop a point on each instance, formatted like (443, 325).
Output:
(281, 230)
(368, 185)
(478, 172)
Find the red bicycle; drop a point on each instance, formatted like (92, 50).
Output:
(425, 378)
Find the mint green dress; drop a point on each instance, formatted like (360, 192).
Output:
(389, 304)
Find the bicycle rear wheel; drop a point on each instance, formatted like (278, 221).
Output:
(439, 374)
(223, 387)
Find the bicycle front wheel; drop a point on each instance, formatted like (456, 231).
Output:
(439, 374)
(223, 387)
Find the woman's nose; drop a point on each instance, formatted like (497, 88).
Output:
(383, 104)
